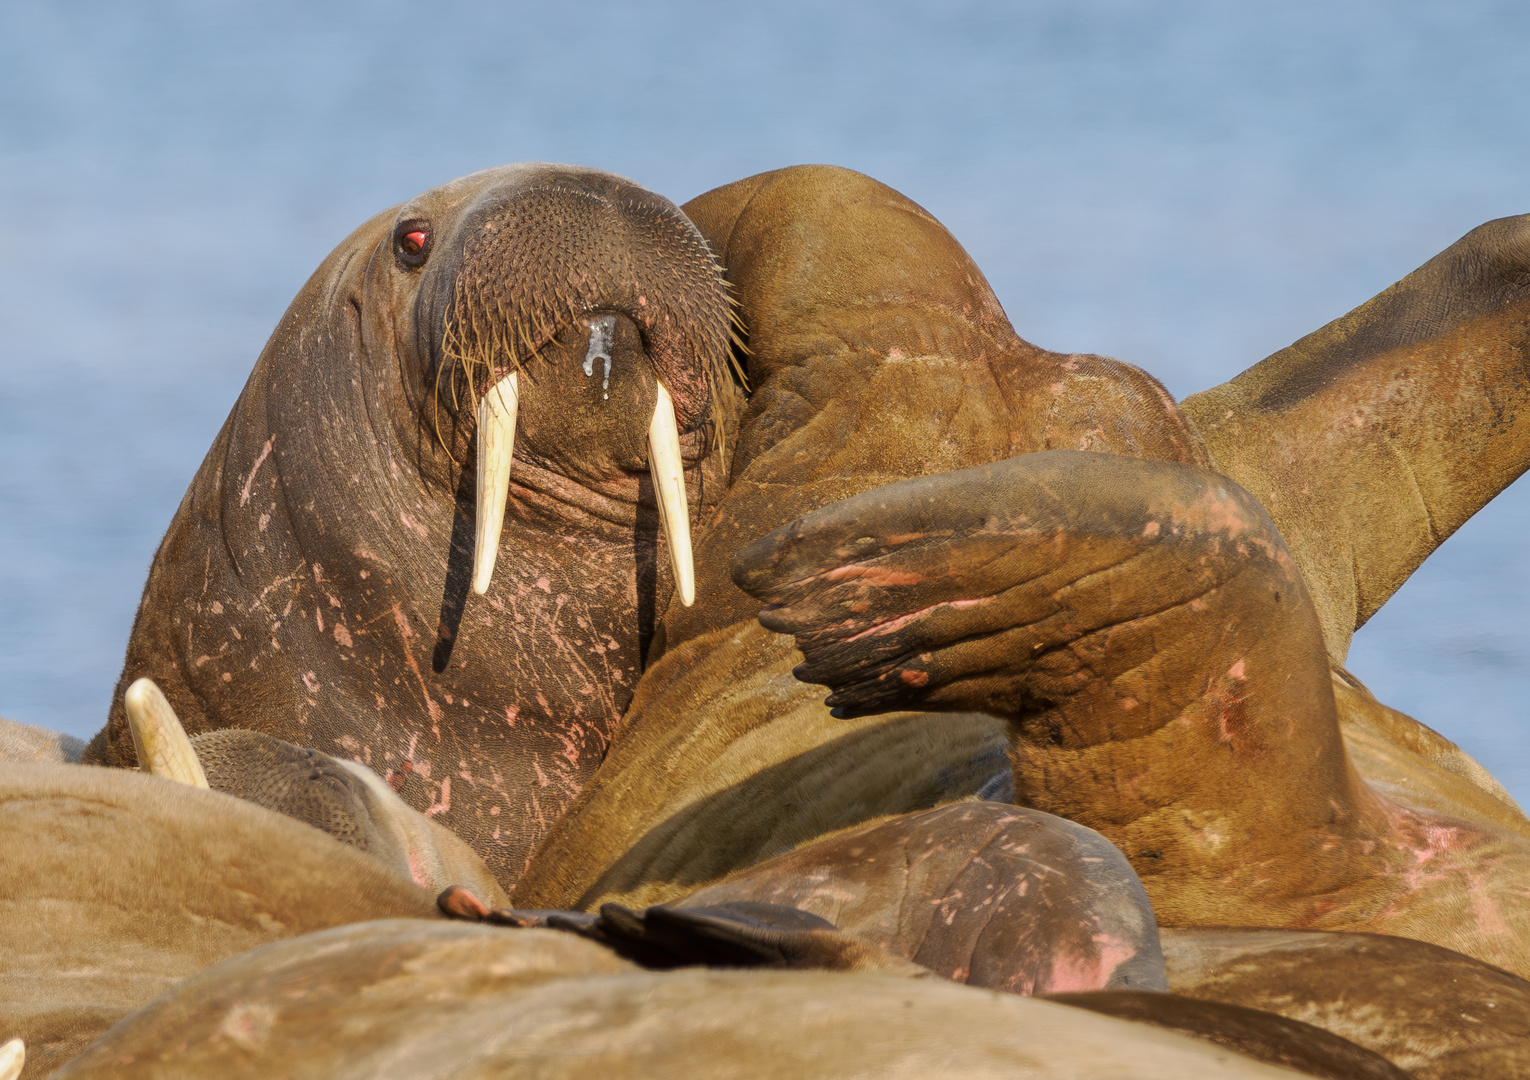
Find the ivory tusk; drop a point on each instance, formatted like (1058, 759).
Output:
(161, 742)
(13, 1055)
(496, 449)
(669, 489)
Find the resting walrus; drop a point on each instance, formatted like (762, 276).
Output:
(314, 584)
(1199, 622)
(878, 353)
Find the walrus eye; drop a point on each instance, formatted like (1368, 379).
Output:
(411, 241)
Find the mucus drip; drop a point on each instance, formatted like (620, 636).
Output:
(602, 330)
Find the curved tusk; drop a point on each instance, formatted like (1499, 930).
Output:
(669, 489)
(161, 742)
(496, 448)
(13, 1055)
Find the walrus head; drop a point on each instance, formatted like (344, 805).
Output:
(508, 384)
(546, 265)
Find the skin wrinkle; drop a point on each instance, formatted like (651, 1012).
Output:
(905, 658)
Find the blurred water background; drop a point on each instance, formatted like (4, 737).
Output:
(1188, 185)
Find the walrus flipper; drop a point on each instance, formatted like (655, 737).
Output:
(1373, 439)
(1162, 668)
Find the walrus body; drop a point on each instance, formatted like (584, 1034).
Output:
(403, 998)
(994, 896)
(116, 886)
(1190, 657)
(1436, 1013)
(877, 352)
(314, 583)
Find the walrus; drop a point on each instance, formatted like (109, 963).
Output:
(114, 886)
(720, 764)
(487, 390)
(319, 582)
(876, 352)
(407, 998)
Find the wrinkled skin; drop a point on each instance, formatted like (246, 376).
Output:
(1153, 647)
(314, 584)
(1436, 1013)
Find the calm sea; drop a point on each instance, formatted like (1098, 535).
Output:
(1185, 185)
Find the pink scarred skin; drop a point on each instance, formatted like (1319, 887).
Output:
(991, 895)
(314, 584)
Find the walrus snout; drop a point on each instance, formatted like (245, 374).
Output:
(556, 244)
(555, 251)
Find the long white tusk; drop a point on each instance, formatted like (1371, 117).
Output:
(669, 488)
(163, 749)
(13, 1055)
(496, 448)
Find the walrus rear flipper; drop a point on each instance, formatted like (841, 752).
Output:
(1372, 440)
(737, 934)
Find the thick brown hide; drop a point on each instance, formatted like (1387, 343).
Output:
(405, 999)
(1373, 439)
(995, 896)
(1261, 1035)
(114, 886)
(314, 584)
(1441, 1015)
(1145, 631)
(877, 351)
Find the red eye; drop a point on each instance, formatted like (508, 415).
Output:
(411, 242)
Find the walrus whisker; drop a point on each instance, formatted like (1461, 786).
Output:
(496, 450)
(13, 1056)
(668, 474)
(158, 737)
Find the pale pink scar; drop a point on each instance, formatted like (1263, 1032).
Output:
(875, 576)
(893, 625)
(244, 493)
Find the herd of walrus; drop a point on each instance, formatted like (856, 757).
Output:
(474, 719)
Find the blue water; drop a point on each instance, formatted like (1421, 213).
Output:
(1187, 186)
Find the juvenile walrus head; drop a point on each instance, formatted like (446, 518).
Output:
(528, 362)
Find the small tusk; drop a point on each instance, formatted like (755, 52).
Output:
(669, 489)
(496, 448)
(13, 1055)
(163, 749)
